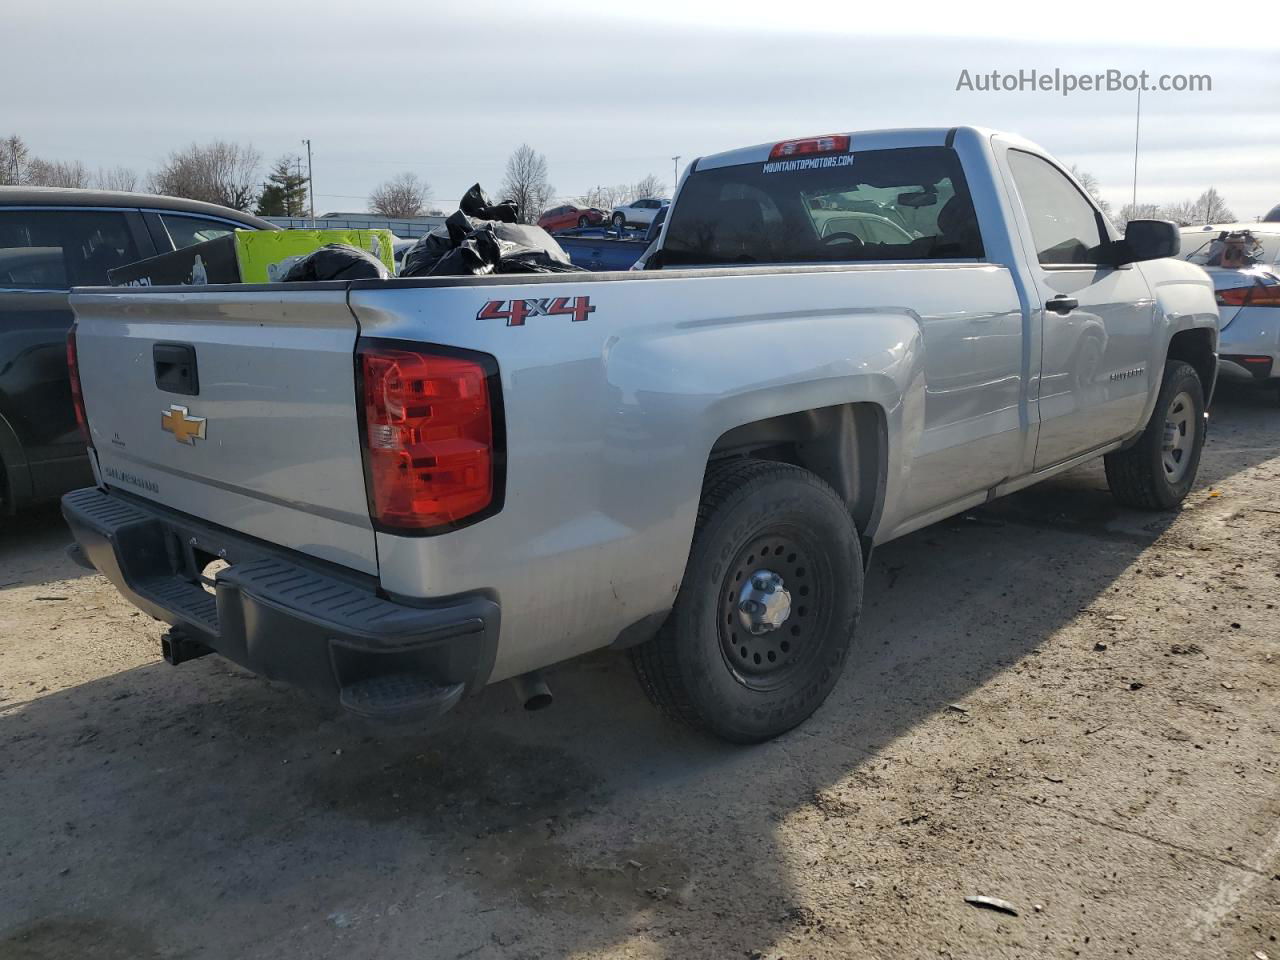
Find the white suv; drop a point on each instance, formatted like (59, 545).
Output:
(638, 213)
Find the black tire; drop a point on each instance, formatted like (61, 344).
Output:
(582, 222)
(619, 220)
(1141, 476)
(704, 667)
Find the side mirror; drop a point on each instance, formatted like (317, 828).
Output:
(1148, 240)
(923, 198)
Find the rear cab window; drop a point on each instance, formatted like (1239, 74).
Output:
(903, 204)
(60, 249)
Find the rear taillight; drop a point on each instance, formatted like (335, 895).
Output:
(77, 395)
(1258, 294)
(431, 437)
(811, 146)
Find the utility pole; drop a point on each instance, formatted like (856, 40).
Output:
(1137, 126)
(675, 172)
(311, 185)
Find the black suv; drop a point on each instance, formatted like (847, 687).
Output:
(51, 240)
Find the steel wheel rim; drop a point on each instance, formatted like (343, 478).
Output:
(1179, 437)
(766, 660)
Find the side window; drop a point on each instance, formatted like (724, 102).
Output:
(1064, 225)
(184, 231)
(59, 249)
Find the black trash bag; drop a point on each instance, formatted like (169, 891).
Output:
(469, 244)
(338, 261)
(535, 261)
(422, 256)
(458, 227)
(476, 203)
(476, 256)
(528, 237)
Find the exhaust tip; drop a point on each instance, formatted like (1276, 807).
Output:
(539, 701)
(532, 691)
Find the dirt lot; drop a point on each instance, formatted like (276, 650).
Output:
(1126, 798)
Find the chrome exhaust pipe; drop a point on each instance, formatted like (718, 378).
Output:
(532, 691)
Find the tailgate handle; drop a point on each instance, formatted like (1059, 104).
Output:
(176, 368)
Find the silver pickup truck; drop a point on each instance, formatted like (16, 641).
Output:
(394, 492)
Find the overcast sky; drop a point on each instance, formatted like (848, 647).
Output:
(447, 90)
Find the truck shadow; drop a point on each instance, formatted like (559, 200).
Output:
(201, 811)
(32, 546)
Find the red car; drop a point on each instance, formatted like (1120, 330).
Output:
(571, 215)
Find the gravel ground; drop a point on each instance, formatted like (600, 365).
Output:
(1055, 702)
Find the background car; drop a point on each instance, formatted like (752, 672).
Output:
(863, 227)
(570, 215)
(638, 213)
(399, 247)
(1243, 260)
(51, 240)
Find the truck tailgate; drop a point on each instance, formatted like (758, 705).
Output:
(261, 433)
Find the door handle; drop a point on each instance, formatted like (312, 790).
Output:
(1061, 303)
(175, 365)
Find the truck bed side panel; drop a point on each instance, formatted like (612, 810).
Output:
(610, 421)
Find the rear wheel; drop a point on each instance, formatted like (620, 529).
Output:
(1157, 472)
(766, 612)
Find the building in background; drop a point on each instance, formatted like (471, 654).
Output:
(400, 226)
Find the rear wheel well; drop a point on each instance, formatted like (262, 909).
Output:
(1197, 347)
(846, 445)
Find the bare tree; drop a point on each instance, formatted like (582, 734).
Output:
(648, 187)
(403, 195)
(605, 198)
(116, 178)
(1183, 213)
(1090, 183)
(1142, 211)
(14, 157)
(216, 172)
(57, 173)
(526, 182)
(609, 198)
(1209, 207)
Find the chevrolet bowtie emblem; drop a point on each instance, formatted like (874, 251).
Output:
(185, 429)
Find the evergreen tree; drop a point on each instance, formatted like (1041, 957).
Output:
(285, 192)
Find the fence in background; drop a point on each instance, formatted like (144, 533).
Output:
(410, 227)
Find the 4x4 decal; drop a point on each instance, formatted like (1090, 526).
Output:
(515, 312)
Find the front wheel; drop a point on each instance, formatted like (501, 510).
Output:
(1157, 472)
(582, 222)
(766, 612)
(619, 220)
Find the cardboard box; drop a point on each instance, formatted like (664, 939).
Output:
(246, 256)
